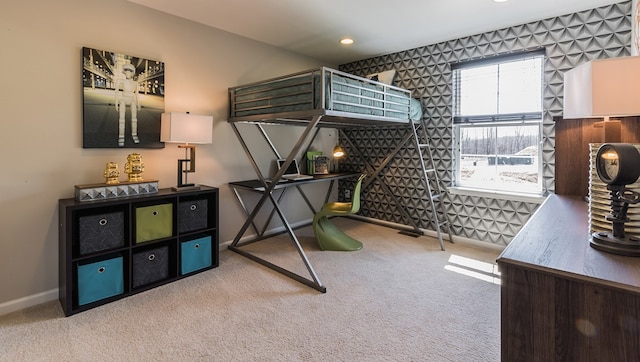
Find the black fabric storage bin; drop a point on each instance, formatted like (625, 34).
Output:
(150, 266)
(100, 232)
(192, 215)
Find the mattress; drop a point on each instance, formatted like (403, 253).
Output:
(324, 89)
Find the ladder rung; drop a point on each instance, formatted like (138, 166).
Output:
(430, 170)
(439, 223)
(437, 196)
(442, 222)
(423, 145)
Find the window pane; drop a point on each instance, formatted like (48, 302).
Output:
(520, 86)
(500, 158)
(479, 90)
(505, 88)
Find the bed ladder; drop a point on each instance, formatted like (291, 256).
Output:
(436, 190)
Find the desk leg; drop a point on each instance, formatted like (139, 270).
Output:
(374, 173)
(314, 282)
(267, 194)
(306, 199)
(273, 212)
(244, 209)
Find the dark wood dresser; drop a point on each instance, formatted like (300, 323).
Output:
(562, 300)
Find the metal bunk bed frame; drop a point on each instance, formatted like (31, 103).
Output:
(321, 114)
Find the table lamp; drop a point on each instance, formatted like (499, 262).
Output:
(338, 153)
(603, 88)
(189, 130)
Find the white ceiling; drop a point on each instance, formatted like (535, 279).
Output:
(314, 27)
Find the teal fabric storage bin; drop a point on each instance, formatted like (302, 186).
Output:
(100, 280)
(195, 255)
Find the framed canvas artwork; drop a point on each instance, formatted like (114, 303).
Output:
(123, 99)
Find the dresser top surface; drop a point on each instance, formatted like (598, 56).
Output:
(556, 240)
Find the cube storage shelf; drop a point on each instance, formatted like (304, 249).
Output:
(111, 249)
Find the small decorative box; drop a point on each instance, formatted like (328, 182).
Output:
(94, 192)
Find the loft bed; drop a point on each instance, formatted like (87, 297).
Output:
(313, 99)
(341, 99)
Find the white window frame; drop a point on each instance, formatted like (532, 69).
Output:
(495, 120)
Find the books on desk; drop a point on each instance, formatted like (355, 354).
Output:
(317, 164)
(321, 165)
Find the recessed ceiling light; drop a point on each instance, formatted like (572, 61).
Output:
(499, 1)
(346, 41)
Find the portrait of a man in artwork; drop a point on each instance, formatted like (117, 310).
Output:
(123, 99)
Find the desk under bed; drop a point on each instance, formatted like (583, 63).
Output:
(313, 99)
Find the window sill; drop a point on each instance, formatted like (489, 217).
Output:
(536, 199)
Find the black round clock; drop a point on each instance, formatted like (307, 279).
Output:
(618, 163)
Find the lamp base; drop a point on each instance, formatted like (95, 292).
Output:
(187, 187)
(605, 241)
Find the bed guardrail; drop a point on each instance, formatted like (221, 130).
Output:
(320, 89)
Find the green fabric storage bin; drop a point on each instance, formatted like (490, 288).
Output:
(100, 280)
(195, 255)
(154, 222)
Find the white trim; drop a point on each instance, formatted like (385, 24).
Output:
(273, 232)
(432, 233)
(51, 295)
(427, 232)
(500, 195)
(28, 301)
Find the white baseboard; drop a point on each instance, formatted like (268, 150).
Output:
(44, 297)
(430, 233)
(427, 232)
(32, 300)
(28, 301)
(273, 231)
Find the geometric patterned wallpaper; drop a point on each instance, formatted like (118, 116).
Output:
(569, 40)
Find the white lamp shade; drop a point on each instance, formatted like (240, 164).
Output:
(186, 128)
(603, 88)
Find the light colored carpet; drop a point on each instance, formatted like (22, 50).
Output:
(396, 300)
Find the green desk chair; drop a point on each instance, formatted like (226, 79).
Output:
(328, 235)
